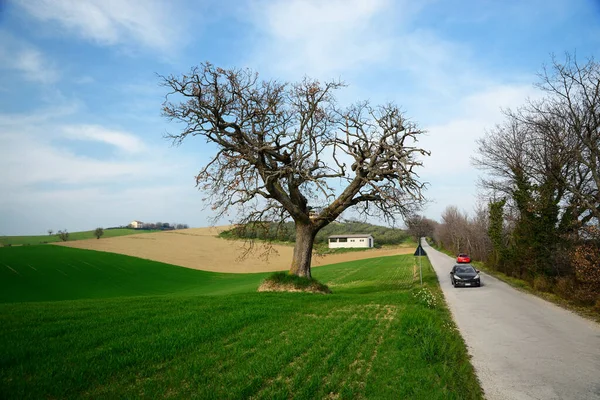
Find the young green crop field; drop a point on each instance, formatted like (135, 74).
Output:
(40, 239)
(132, 328)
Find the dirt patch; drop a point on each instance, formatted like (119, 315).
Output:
(200, 248)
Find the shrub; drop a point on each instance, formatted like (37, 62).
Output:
(585, 295)
(542, 283)
(565, 287)
(597, 306)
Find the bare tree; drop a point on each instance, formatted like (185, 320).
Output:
(420, 226)
(63, 235)
(479, 240)
(572, 108)
(98, 232)
(452, 232)
(551, 143)
(282, 148)
(544, 160)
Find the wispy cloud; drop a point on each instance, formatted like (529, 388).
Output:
(33, 151)
(30, 62)
(320, 37)
(149, 23)
(49, 184)
(27, 160)
(453, 141)
(124, 141)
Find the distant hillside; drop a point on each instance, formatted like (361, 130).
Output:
(286, 232)
(41, 239)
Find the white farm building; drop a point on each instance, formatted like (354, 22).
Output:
(358, 240)
(136, 224)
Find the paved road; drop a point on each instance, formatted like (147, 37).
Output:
(522, 347)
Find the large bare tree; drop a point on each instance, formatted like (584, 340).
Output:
(282, 149)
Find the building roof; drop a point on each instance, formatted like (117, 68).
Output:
(360, 235)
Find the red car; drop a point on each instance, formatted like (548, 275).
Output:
(463, 258)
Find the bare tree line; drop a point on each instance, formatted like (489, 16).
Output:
(541, 182)
(459, 232)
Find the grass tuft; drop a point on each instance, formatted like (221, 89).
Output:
(285, 282)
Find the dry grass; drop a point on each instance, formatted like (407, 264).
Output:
(288, 287)
(200, 248)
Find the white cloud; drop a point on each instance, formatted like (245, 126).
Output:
(452, 142)
(33, 151)
(46, 184)
(28, 159)
(123, 141)
(26, 59)
(149, 23)
(320, 38)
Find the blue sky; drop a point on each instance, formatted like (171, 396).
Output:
(81, 136)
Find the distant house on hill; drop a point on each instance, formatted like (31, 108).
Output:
(136, 224)
(357, 240)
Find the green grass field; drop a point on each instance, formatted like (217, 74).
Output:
(50, 273)
(32, 240)
(139, 329)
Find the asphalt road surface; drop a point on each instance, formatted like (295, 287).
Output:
(522, 347)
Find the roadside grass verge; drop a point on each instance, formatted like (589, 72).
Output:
(41, 239)
(377, 336)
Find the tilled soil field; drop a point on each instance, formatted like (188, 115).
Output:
(200, 248)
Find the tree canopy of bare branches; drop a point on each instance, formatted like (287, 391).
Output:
(461, 233)
(552, 145)
(282, 149)
(419, 226)
(544, 160)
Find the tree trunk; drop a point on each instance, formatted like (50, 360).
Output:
(305, 236)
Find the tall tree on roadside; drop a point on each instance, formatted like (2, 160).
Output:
(281, 149)
(545, 160)
(571, 113)
(496, 232)
(99, 232)
(452, 232)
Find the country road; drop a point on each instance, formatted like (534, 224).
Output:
(522, 347)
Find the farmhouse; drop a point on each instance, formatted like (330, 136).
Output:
(136, 224)
(358, 240)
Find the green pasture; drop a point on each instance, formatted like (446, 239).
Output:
(41, 239)
(50, 273)
(134, 328)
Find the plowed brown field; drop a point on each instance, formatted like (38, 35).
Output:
(200, 248)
